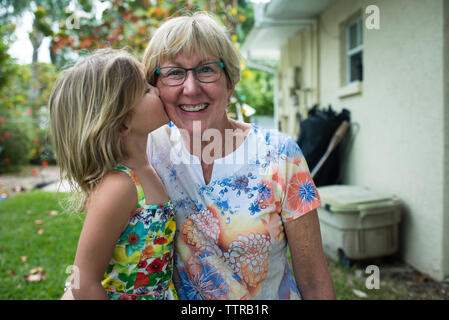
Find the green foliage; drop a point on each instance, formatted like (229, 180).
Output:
(130, 23)
(42, 21)
(246, 20)
(7, 64)
(24, 90)
(257, 89)
(14, 148)
(12, 8)
(24, 124)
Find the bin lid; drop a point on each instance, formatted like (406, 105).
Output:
(354, 198)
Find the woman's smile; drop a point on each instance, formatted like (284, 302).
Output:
(195, 108)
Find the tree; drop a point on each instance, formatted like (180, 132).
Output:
(23, 129)
(7, 63)
(11, 9)
(131, 22)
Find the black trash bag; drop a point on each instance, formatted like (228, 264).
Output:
(316, 131)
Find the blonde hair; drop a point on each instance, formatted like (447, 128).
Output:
(199, 33)
(88, 104)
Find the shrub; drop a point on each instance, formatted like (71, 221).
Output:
(14, 149)
(24, 117)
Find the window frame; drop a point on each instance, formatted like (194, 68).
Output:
(358, 49)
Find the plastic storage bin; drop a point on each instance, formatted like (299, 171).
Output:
(357, 223)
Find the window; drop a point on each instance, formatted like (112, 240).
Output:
(354, 51)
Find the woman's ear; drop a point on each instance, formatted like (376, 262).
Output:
(230, 92)
(124, 130)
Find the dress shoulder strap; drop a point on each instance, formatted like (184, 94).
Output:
(140, 194)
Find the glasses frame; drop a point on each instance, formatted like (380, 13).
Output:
(158, 73)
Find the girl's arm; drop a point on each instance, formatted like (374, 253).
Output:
(107, 212)
(308, 260)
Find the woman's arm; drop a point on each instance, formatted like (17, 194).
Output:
(107, 212)
(309, 264)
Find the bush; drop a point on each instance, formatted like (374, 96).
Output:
(24, 117)
(14, 149)
(256, 89)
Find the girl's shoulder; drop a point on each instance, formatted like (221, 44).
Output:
(117, 177)
(115, 188)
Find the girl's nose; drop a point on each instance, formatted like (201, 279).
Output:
(154, 89)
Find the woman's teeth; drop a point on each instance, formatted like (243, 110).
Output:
(196, 108)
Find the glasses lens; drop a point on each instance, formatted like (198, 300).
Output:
(208, 72)
(173, 76)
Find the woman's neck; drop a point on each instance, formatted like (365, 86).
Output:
(217, 142)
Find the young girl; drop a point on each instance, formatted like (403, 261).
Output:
(102, 111)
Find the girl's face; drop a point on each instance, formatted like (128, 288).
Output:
(194, 101)
(148, 114)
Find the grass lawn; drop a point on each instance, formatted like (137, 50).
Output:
(24, 245)
(350, 284)
(51, 243)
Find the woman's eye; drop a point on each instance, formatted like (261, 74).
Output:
(175, 73)
(148, 90)
(206, 69)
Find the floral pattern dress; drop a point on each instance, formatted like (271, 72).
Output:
(230, 240)
(142, 264)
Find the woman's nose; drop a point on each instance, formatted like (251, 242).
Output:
(191, 85)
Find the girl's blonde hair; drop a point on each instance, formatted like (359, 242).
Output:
(89, 103)
(199, 33)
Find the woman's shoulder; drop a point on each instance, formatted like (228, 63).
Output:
(165, 132)
(162, 139)
(275, 138)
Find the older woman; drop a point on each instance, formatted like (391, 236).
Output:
(240, 191)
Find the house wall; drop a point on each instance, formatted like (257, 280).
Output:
(400, 140)
(399, 146)
(301, 50)
(446, 140)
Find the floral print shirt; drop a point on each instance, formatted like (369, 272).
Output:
(141, 267)
(230, 241)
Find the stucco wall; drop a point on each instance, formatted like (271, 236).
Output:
(300, 50)
(400, 145)
(446, 140)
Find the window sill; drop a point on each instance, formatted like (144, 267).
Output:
(350, 90)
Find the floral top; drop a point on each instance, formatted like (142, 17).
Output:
(141, 267)
(230, 240)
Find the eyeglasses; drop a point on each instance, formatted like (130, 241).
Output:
(205, 73)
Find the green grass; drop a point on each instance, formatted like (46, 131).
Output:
(53, 250)
(390, 288)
